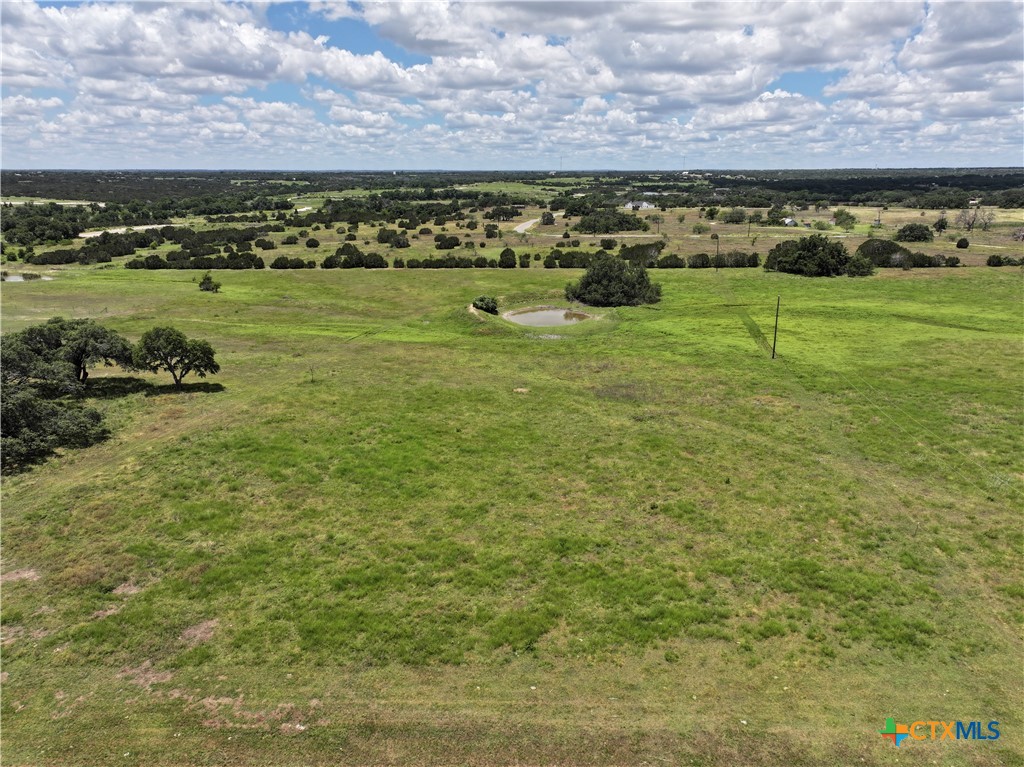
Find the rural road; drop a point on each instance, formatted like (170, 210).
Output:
(525, 226)
(122, 230)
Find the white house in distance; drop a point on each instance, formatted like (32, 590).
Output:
(639, 205)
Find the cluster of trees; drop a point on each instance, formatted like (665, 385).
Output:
(612, 281)
(890, 254)
(449, 262)
(816, 256)
(578, 259)
(394, 238)
(608, 220)
(45, 375)
(50, 223)
(96, 250)
(283, 262)
(996, 260)
(348, 256)
(446, 241)
(178, 259)
(914, 233)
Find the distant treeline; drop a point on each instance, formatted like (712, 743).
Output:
(236, 193)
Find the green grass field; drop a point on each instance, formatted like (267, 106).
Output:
(391, 532)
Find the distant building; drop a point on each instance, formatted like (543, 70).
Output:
(790, 222)
(638, 205)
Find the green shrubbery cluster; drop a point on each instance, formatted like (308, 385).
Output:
(486, 304)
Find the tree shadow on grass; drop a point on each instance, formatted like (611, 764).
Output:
(114, 387)
(121, 386)
(199, 387)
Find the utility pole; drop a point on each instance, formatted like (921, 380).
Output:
(775, 337)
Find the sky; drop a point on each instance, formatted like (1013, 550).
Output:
(534, 85)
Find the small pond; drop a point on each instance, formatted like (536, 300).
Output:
(546, 318)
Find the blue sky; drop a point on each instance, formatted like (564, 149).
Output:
(513, 85)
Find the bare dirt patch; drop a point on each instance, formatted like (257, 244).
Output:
(201, 632)
(107, 612)
(25, 574)
(11, 634)
(231, 713)
(521, 390)
(127, 589)
(145, 676)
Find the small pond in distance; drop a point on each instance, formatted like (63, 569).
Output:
(546, 318)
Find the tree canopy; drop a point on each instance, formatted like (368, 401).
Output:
(813, 256)
(44, 367)
(168, 349)
(914, 233)
(610, 281)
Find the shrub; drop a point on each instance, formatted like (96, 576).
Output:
(699, 261)
(610, 281)
(952, 261)
(208, 284)
(486, 304)
(291, 239)
(607, 243)
(701, 228)
(507, 259)
(312, 242)
(962, 243)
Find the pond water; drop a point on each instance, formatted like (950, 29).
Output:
(546, 318)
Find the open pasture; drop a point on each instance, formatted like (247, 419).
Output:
(392, 532)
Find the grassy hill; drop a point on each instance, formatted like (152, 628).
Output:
(391, 532)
